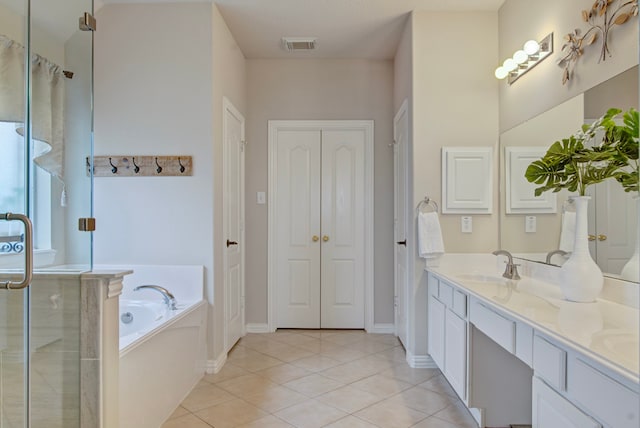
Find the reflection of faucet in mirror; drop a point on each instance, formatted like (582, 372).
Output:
(511, 270)
(553, 253)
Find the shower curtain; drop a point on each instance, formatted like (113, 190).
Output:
(47, 108)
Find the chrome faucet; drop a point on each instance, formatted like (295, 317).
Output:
(554, 252)
(169, 299)
(511, 270)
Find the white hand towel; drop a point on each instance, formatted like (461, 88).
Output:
(430, 242)
(568, 231)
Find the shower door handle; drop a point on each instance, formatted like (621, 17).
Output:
(28, 256)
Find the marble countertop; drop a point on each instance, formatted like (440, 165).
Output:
(604, 330)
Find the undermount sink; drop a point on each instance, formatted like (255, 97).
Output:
(480, 277)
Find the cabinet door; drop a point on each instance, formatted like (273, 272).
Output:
(455, 351)
(552, 410)
(436, 331)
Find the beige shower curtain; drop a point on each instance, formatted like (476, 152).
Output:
(47, 102)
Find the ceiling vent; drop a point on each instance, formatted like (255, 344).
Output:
(292, 44)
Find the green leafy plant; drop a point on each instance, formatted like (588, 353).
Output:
(574, 165)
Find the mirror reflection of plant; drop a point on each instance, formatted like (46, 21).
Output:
(626, 138)
(574, 165)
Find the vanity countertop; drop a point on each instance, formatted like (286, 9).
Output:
(605, 331)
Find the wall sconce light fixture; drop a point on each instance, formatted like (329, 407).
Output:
(531, 54)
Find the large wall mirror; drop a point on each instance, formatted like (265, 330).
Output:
(535, 228)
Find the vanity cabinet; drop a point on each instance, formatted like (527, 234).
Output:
(582, 388)
(552, 410)
(447, 340)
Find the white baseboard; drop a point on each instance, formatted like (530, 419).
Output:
(420, 361)
(383, 329)
(214, 366)
(257, 328)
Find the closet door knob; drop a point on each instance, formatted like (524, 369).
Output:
(592, 237)
(602, 237)
(325, 238)
(315, 238)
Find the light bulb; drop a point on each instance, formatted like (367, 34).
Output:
(501, 73)
(531, 47)
(509, 64)
(520, 57)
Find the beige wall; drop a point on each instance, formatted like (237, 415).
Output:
(542, 88)
(455, 103)
(318, 89)
(159, 91)
(229, 80)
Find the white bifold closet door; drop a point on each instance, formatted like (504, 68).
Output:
(320, 228)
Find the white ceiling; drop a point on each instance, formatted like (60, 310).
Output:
(344, 28)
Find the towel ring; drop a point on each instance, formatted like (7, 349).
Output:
(429, 202)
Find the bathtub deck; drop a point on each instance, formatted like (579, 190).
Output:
(312, 378)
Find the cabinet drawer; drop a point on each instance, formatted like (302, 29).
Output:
(500, 329)
(446, 294)
(607, 400)
(459, 303)
(552, 410)
(550, 363)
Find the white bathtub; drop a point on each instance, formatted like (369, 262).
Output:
(162, 351)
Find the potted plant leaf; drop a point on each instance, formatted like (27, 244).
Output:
(575, 164)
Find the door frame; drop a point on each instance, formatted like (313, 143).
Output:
(280, 125)
(229, 108)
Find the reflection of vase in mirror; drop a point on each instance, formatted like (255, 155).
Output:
(612, 216)
(631, 270)
(581, 278)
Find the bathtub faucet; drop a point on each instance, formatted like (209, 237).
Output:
(169, 299)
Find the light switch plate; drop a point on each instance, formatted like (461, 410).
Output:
(530, 224)
(466, 224)
(261, 198)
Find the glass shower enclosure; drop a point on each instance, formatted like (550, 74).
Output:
(46, 120)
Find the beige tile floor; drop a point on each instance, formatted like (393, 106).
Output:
(321, 378)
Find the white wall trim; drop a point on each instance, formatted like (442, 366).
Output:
(214, 366)
(420, 361)
(258, 328)
(368, 127)
(386, 328)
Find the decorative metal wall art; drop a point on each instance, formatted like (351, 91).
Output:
(603, 16)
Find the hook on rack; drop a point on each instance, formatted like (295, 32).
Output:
(136, 168)
(182, 168)
(114, 169)
(89, 165)
(159, 168)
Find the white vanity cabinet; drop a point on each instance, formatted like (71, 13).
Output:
(447, 340)
(588, 394)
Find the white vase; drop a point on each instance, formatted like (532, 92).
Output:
(581, 278)
(631, 270)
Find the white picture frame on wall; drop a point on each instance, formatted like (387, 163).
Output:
(520, 193)
(467, 180)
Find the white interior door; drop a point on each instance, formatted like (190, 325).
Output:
(233, 219)
(298, 232)
(400, 163)
(342, 228)
(615, 227)
(319, 227)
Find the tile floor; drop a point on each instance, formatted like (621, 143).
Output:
(321, 378)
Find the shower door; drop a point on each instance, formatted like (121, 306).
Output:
(45, 187)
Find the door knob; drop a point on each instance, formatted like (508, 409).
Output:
(602, 237)
(325, 238)
(230, 243)
(592, 237)
(315, 238)
(402, 242)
